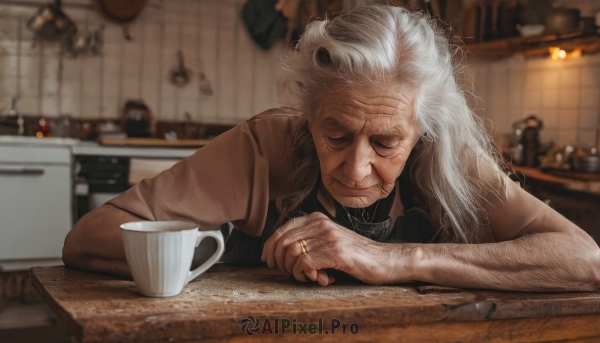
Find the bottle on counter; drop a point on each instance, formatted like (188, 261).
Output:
(43, 129)
(528, 141)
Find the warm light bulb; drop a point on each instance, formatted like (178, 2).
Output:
(557, 53)
(562, 54)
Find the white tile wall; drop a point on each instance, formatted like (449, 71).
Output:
(564, 94)
(209, 32)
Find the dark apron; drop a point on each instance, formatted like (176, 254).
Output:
(412, 227)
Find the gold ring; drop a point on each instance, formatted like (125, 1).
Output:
(303, 246)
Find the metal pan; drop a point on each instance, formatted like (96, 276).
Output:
(121, 11)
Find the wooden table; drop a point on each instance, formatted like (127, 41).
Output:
(101, 308)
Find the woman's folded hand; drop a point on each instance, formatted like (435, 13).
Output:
(326, 245)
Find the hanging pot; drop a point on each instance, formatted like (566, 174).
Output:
(121, 11)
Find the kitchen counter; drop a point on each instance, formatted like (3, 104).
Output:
(95, 149)
(536, 176)
(102, 308)
(34, 141)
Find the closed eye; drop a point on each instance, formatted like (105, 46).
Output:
(385, 146)
(384, 149)
(338, 142)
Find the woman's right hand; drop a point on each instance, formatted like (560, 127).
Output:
(328, 245)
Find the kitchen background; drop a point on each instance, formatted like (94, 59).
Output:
(564, 94)
(209, 33)
(243, 77)
(112, 73)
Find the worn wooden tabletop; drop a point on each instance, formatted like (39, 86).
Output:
(101, 308)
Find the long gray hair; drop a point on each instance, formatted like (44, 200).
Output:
(455, 165)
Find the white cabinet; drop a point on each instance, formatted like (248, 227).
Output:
(35, 201)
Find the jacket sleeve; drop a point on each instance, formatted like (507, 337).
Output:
(510, 211)
(225, 181)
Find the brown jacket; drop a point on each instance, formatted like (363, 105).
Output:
(233, 178)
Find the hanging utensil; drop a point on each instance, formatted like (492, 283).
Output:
(205, 87)
(85, 42)
(180, 76)
(97, 41)
(50, 23)
(81, 43)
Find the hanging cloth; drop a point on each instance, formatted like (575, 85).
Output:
(264, 23)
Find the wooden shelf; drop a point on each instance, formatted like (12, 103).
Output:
(588, 42)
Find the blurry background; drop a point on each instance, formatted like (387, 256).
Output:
(96, 95)
(210, 35)
(565, 94)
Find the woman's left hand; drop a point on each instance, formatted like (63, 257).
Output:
(329, 245)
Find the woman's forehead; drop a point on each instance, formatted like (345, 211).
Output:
(384, 126)
(383, 99)
(382, 105)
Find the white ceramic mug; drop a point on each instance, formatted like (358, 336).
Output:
(160, 253)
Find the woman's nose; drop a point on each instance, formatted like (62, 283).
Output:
(358, 163)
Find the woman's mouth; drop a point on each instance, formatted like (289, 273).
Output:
(354, 187)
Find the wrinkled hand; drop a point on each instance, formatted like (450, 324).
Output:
(329, 246)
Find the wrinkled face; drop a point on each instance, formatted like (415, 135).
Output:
(363, 135)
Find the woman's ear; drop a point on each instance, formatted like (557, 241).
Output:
(419, 144)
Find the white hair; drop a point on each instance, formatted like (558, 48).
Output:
(451, 165)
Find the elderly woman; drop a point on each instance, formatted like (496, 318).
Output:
(377, 157)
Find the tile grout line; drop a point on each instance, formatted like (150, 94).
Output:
(41, 78)
(81, 98)
(19, 43)
(579, 104)
(182, 3)
(121, 68)
(160, 68)
(252, 100)
(217, 65)
(141, 67)
(101, 105)
(59, 86)
(237, 66)
(198, 57)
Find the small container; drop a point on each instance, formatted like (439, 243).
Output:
(587, 164)
(562, 20)
(586, 160)
(531, 30)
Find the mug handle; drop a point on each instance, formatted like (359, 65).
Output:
(218, 236)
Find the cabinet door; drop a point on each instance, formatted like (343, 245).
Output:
(35, 210)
